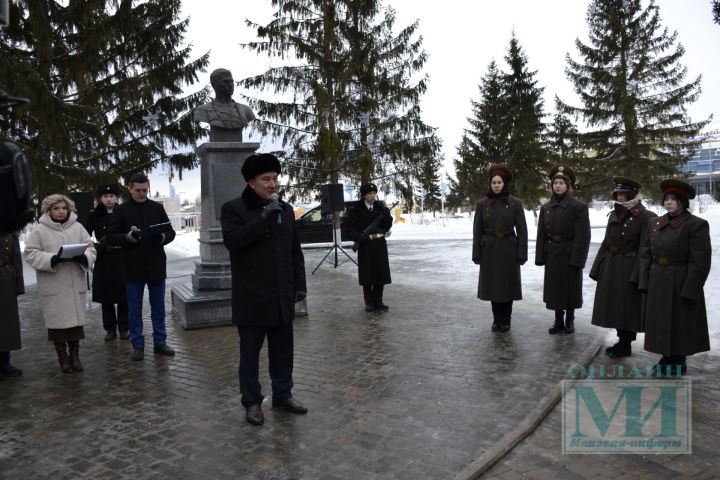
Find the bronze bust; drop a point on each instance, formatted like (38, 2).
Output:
(226, 117)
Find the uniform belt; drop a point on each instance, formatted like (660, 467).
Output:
(500, 234)
(556, 238)
(670, 262)
(375, 236)
(628, 253)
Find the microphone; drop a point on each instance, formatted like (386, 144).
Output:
(275, 199)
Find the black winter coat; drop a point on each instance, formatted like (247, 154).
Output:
(618, 303)
(373, 263)
(108, 286)
(142, 261)
(673, 264)
(563, 241)
(500, 241)
(267, 263)
(11, 285)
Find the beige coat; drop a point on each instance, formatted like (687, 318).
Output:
(62, 288)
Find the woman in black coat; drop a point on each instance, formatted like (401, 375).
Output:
(500, 246)
(11, 285)
(617, 301)
(673, 265)
(373, 263)
(108, 288)
(563, 240)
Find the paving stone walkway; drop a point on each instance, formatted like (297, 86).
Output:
(420, 391)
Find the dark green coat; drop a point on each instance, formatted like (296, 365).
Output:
(563, 241)
(500, 258)
(11, 285)
(373, 263)
(618, 302)
(674, 319)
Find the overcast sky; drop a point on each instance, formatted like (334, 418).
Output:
(461, 38)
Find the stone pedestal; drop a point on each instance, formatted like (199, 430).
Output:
(206, 301)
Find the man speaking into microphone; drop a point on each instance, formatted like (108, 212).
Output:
(268, 277)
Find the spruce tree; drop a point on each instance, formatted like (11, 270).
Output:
(716, 11)
(634, 96)
(105, 80)
(525, 148)
(485, 142)
(350, 110)
(506, 128)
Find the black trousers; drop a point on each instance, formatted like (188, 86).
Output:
(502, 311)
(280, 355)
(111, 320)
(626, 336)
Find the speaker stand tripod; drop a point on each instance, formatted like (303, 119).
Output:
(334, 249)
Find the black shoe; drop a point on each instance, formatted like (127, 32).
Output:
(124, 334)
(620, 351)
(254, 415)
(138, 354)
(555, 329)
(9, 370)
(570, 325)
(610, 349)
(289, 404)
(164, 350)
(369, 308)
(504, 327)
(110, 336)
(381, 306)
(495, 327)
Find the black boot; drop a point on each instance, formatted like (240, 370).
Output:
(496, 317)
(63, 358)
(505, 313)
(559, 325)
(570, 321)
(368, 296)
(378, 294)
(75, 355)
(623, 347)
(6, 368)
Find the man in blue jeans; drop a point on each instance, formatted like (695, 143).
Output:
(142, 228)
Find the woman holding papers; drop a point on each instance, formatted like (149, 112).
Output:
(61, 280)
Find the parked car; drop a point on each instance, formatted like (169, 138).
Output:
(316, 227)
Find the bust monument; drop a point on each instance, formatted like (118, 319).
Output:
(226, 117)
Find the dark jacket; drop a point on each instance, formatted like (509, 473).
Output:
(673, 264)
(618, 302)
(142, 261)
(373, 264)
(500, 242)
(563, 241)
(108, 286)
(267, 263)
(11, 285)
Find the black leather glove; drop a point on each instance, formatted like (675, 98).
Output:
(300, 296)
(54, 261)
(81, 259)
(271, 209)
(133, 236)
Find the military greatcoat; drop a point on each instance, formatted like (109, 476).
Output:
(563, 240)
(673, 264)
(617, 300)
(373, 263)
(500, 245)
(11, 285)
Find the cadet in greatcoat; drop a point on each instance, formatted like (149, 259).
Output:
(618, 303)
(373, 263)
(563, 240)
(108, 288)
(11, 285)
(500, 246)
(673, 264)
